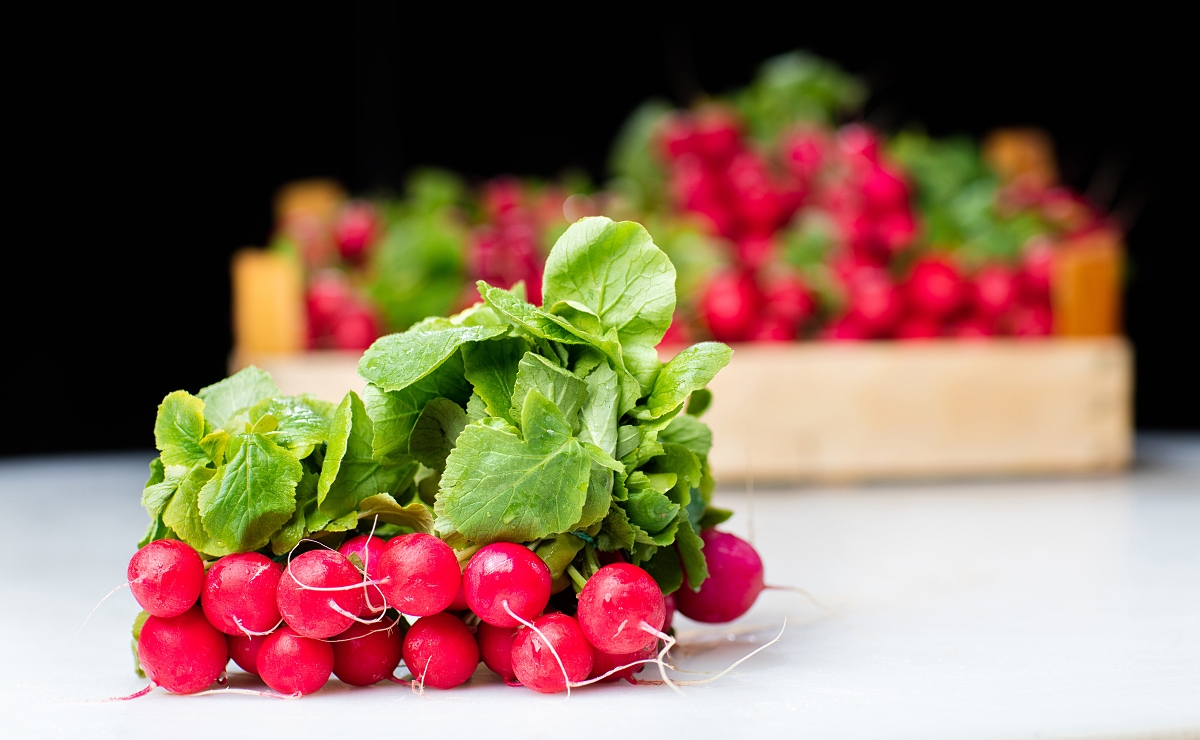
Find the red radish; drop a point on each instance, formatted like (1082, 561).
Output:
(875, 301)
(165, 577)
(788, 298)
(366, 654)
(846, 329)
(755, 251)
(506, 573)
(604, 662)
(327, 296)
(735, 578)
(615, 604)
(934, 287)
(716, 137)
(972, 327)
(355, 230)
(244, 650)
(1036, 269)
(535, 663)
(884, 193)
(758, 203)
(460, 601)
(857, 140)
(184, 653)
(677, 333)
(1032, 321)
(317, 595)
(239, 596)
(918, 327)
(677, 135)
(669, 603)
(439, 651)
(771, 328)
(355, 329)
(995, 290)
(804, 152)
(369, 551)
(293, 664)
(421, 572)
(495, 647)
(729, 305)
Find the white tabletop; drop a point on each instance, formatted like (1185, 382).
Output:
(1004, 609)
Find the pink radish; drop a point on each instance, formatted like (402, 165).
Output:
(293, 664)
(239, 596)
(366, 654)
(421, 574)
(536, 665)
(460, 601)
(995, 290)
(735, 578)
(244, 651)
(165, 577)
(317, 595)
(439, 651)
(605, 662)
(504, 574)
(729, 305)
(621, 609)
(934, 287)
(495, 647)
(369, 551)
(355, 230)
(184, 653)
(918, 327)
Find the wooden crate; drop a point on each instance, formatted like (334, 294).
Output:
(883, 410)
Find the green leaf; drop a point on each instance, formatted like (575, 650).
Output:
(691, 551)
(214, 445)
(415, 515)
(615, 270)
(558, 552)
(241, 390)
(397, 361)
(297, 526)
(684, 465)
(599, 497)
(351, 472)
(394, 413)
(599, 414)
(157, 472)
(526, 316)
(616, 532)
(183, 513)
(699, 402)
(178, 429)
(252, 495)
(434, 434)
(491, 367)
(476, 409)
(498, 486)
(688, 371)
(301, 421)
(664, 568)
(161, 486)
(689, 432)
(712, 517)
(650, 509)
(560, 386)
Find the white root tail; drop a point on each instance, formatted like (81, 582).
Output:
(252, 633)
(563, 668)
(97, 606)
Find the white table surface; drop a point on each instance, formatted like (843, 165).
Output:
(1003, 609)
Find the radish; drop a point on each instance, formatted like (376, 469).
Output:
(1037, 267)
(804, 153)
(716, 136)
(556, 646)
(994, 290)
(621, 609)
(366, 654)
(669, 603)
(735, 578)
(354, 230)
(439, 651)
(355, 328)
(604, 662)
(918, 327)
(420, 574)
(884, 193)
(771, 328)
(753, 252)
(369, 551)
(293, 664)
(495, 647)
(875, 301)
(165, 577)
(184, 653)
(504, 577)
(239, 596)
(934, 287)
(788, 298)
(858, 141)
(846, 329)
(729, 306)
(327, 296)
(1032, 320)
(318, 595)
(460, 601)
(972, 326)
(244, 651)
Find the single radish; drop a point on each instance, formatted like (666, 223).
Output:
(165, 577)
(729, 304)
(973, 326)
(294, 664)
(846, 329)
(506, 574)
(788, 298)
(535, 664)
(366, 654)
(244, 650)
(327, 297)
(771, 328)
(184, 653)
(495, 647)
(355, 229)
(875, 301)
(239, 596)
(735, 578)
(440, 651)
(460, 601)
(994, 290)
(621, 609)
(421, 572)
(355, 328)
(369, 551)
(917, 327)
(604, 662)
(316, 594)
(934, 287)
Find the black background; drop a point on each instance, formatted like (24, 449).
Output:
(147, 149)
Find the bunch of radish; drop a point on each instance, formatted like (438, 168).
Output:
(359, 611)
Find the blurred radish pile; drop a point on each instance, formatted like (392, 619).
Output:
(786, 217)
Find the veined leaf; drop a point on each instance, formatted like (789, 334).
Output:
(436, 429)
(394, 413)
(664, 568)
(183, 515)
(491, 367)
(397, 361)
(688, 371)
(415, 515)
(300, 421)
(691, 551)
(560, 386)
(599, 414)
(251, 495)
(690, 432)
(241, 390)
(650, 509)
(616, 532)
(178, 429)
(525, 316)
(350, 472)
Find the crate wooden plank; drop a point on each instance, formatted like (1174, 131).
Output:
(883, 410)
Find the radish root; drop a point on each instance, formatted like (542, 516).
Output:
(752, 653)
(97, 606)
(252, 633)
(248, 692)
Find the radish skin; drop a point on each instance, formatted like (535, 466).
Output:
(239, 596)
(293, 664)
(440, 651)
(316, 595)
(165, 577)
(184, 654)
